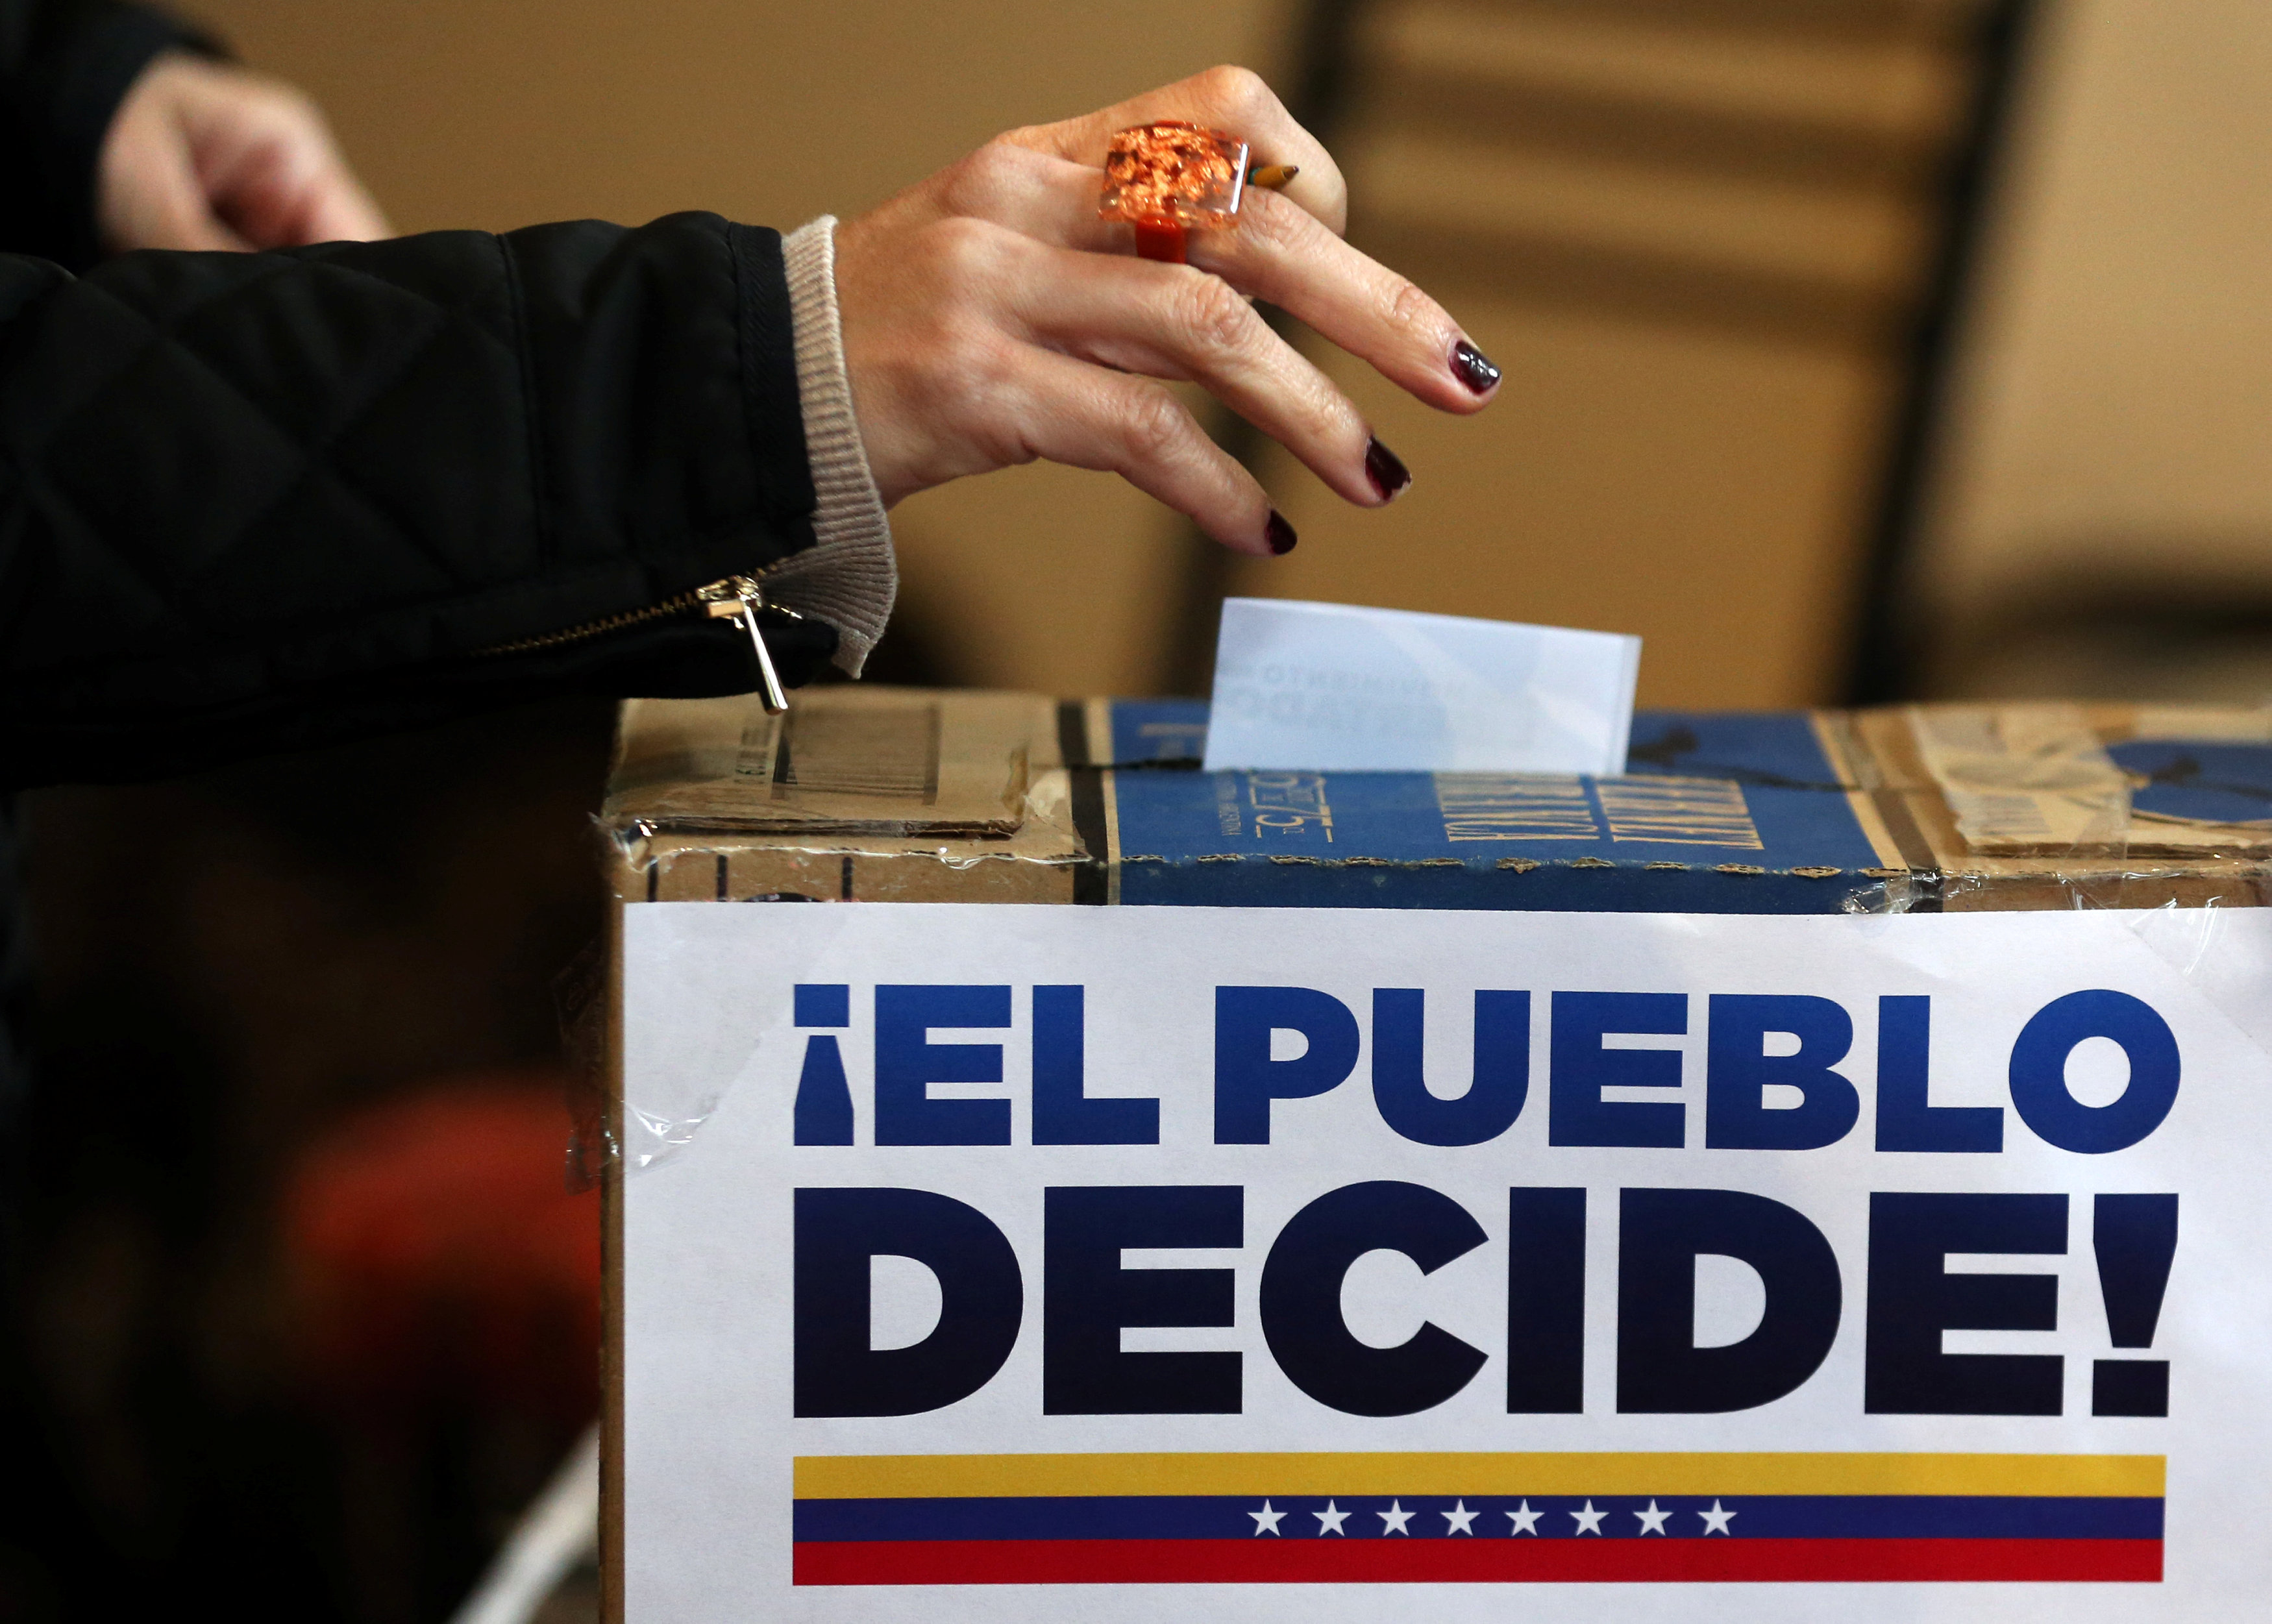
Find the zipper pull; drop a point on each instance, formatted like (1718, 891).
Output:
(738, 598)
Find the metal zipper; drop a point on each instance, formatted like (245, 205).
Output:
(738, 598)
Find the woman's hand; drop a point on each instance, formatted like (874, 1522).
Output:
(991, 318)
(201, 155)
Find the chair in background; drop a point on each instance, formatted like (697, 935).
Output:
(2097, 518)
(1724, 240)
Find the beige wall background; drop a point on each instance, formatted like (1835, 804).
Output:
(1696, 478)
(2116, 421)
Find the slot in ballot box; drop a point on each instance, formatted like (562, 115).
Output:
(1821, 1167)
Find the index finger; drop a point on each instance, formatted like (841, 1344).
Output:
(340, 209)
(1234, 100)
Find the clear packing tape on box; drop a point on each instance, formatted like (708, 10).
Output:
(864, 794)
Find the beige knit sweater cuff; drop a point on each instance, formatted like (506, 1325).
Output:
(849, 577)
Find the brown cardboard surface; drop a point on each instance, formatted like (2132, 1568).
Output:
(2111, 855)
(904, 794)
(875, 760)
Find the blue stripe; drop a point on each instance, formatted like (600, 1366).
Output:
(1813, 1517)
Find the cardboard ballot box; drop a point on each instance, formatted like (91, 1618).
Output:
(1822, 1167)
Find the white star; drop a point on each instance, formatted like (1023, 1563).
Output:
(1590, 1521)
(1717, 1521)
(1526, 1520)
(1461, 1520)
(1652, 1521)
(1330, 1521)
(1265, 1520)
(1394, 1519)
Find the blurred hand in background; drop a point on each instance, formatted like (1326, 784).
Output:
(205, 155)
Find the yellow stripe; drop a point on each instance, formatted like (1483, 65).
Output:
(856, 1477)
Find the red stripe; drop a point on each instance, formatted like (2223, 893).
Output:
(1327, 1561)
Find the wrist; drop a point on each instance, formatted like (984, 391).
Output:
(849, 577)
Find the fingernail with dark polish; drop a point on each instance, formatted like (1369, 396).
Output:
(1473, 368)
(1279, 534)
(1385, 469)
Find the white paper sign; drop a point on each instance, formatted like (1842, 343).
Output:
(1296, 1266)
(1327, 686)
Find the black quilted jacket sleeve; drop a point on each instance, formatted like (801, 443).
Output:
(253, 501)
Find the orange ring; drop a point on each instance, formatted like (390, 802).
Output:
(1170, 178)
(1169, 243)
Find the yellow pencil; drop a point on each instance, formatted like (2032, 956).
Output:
(1271, 176)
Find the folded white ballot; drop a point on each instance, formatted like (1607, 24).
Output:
(1330, 686)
